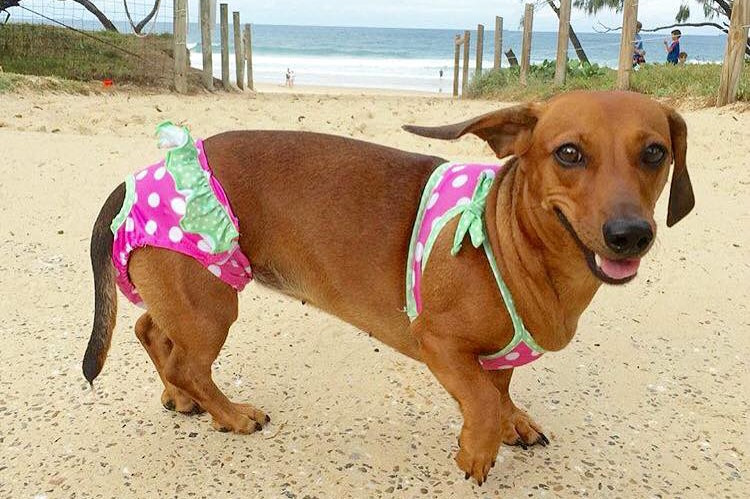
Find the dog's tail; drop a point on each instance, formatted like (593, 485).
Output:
(105, 291)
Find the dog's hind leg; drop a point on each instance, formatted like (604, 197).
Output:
(194, 310)
(159, 346)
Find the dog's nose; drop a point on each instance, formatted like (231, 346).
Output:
(628, 236)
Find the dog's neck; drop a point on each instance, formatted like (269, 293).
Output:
(543, 267)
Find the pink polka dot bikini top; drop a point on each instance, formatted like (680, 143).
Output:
(461, 190)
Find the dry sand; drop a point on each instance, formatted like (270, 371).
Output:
(649, 400)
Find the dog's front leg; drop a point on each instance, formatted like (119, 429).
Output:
(517, 427)
(460, 373)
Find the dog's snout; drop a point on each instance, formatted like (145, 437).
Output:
(628, 236)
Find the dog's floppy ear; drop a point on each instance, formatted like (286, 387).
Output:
(681, 198)
(505, 130)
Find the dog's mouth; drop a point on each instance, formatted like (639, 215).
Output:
(605, 269)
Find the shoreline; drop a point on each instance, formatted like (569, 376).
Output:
(272, 88)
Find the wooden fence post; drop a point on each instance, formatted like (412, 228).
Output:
(249, 56)
(625, 65)
(498, 42)
(733, 58)
(467, 49)
(239, 53)
(480, 50)
(528, 23)
(206, 44)
(456, 63)
(224, 20)
(562, 43)
(180, 46)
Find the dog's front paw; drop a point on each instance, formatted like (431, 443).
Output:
(519, 429)
(477, 452)
(476, 465)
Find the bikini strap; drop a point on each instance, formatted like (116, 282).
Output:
(472, 222)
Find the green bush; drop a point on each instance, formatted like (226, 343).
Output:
(692, 81)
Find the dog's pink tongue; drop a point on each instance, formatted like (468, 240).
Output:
(620, 269)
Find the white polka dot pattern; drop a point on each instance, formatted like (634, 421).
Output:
(204, 246)
(153, 200)
(460, 181)
(175, 234)
(418, 251)
(178, 206)
(433, 200)
(150, 227)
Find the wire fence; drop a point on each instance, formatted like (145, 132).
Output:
(115, 41)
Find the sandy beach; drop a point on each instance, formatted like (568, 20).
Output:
(649, 400)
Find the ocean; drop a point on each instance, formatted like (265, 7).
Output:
(410, 59)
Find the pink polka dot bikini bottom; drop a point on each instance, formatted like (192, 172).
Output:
(178, 204)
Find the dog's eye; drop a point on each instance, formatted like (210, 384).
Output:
(653, 155)
(569, 155)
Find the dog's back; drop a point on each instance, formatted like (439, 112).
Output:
(308, 201)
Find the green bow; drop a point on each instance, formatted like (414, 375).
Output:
(472, 218)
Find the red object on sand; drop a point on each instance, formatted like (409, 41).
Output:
(107, 83)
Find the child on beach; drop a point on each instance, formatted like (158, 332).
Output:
(639, 53)
(682, 59)
(673, 50)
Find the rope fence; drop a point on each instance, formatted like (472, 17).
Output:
(116, 41)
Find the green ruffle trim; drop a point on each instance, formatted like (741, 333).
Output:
(204, 214)
(127, 205)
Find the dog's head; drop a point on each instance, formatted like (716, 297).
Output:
(598, 161)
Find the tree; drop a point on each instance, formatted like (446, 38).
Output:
(86, 4)
(716, 12)
(139, 27)
(109, 25)
(573, 37)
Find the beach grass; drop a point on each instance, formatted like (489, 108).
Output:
(57, 52)
(693, 82)
(10, 82)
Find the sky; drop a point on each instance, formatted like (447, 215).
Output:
(454, 14)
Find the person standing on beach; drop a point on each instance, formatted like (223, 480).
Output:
(288, 78)
(673, 50)
(639, 53)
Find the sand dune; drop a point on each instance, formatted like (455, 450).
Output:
(649, 400)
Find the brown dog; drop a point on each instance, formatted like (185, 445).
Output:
(327, 220)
